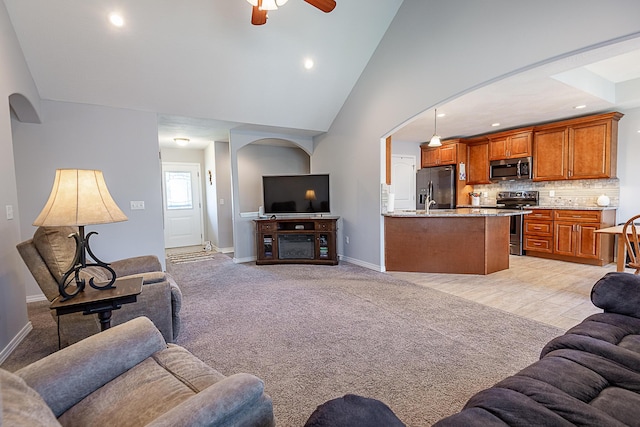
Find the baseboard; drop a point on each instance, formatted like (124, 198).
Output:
(36, 298)
(243, 260)
(224, 250)
(6, 352)
(361, 263)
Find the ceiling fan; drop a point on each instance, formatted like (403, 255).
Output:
(261, 7)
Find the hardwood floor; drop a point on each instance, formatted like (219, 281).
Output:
(553, 292)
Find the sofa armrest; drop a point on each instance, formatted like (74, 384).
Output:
(618, 293)
(69, 375)
(237, 397)
(136, 265)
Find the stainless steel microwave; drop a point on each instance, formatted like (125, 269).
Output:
(510, 169)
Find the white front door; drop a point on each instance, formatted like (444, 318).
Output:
(182, 204)
(403, 181)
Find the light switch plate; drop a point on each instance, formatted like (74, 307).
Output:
(137, 205)
(9, 209)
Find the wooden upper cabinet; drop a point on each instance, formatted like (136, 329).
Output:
(510, 145)
(580, 149)
(478, 163)
(590, 148)
(550, 154)
(437, 156)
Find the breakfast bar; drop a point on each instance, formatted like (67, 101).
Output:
(463, 241)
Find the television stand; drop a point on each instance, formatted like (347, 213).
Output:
(304, 240)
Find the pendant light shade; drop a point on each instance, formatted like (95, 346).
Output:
(435, 139)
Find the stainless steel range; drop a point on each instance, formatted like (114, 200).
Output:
(517, 200)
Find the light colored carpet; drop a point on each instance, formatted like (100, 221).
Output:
(313, 333)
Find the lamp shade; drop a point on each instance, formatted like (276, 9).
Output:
(310, 195)
(79, 197)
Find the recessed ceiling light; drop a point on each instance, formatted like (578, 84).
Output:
(580, 107)
(308, 63)
(181, 141)
(441, 114)
(495, 125)
(116, 19)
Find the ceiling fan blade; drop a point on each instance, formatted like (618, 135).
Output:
(258, 17)
(324, 5)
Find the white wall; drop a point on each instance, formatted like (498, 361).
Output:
(434, 51)
(628, 168)
(15, 78)
(121, 143)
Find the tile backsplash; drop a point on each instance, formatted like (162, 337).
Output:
(580, 192)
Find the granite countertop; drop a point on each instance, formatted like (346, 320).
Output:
(459, 212)
(572, 208)
(575, 208)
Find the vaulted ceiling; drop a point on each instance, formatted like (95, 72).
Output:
(205, 69)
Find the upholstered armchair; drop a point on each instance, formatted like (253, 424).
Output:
(128, 375)
(49, 254)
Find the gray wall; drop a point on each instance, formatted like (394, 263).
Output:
(15, 78)
(257, 160)
(121, 143)
(434, 51)
(218, 191)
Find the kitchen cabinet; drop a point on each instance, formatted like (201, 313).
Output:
(550, 154)
(538, 231)
(438, 156)
(477, 167)
(510, 145)
(583, 148)
(569, 235)
(574, 233)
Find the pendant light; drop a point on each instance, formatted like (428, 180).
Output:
(435, 139)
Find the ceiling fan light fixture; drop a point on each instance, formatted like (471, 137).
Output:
(269, 5)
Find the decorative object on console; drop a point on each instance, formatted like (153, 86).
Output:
(80, 197)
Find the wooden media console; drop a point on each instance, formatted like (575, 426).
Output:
(310, 240)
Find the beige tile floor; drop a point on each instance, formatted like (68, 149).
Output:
(553, 292)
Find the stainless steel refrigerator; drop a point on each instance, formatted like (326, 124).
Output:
(436, 183)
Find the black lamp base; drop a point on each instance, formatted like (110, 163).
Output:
(79, 262)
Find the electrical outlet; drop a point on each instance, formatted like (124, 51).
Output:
(552, 193)
(346, 239)
(9, 209)
(137, 205)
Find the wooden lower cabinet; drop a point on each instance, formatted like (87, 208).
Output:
(538, 231)
(569, 235)
(296, 241)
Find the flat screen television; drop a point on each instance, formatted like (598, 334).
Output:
(296, 194)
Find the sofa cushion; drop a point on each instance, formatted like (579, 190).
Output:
(618, 292)
(20, 405)
(56, 248)
(149, 389)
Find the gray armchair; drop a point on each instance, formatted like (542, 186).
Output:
(128, 375)
(49, 254)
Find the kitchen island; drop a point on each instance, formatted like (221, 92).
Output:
(463, 241)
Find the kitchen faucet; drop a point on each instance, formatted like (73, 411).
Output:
(428, 204)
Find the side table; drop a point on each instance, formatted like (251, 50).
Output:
(102, 302)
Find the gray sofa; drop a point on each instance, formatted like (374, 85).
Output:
(50, 253)
(128, 375)
(588, 376)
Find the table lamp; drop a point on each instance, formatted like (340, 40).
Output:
(78, 198)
